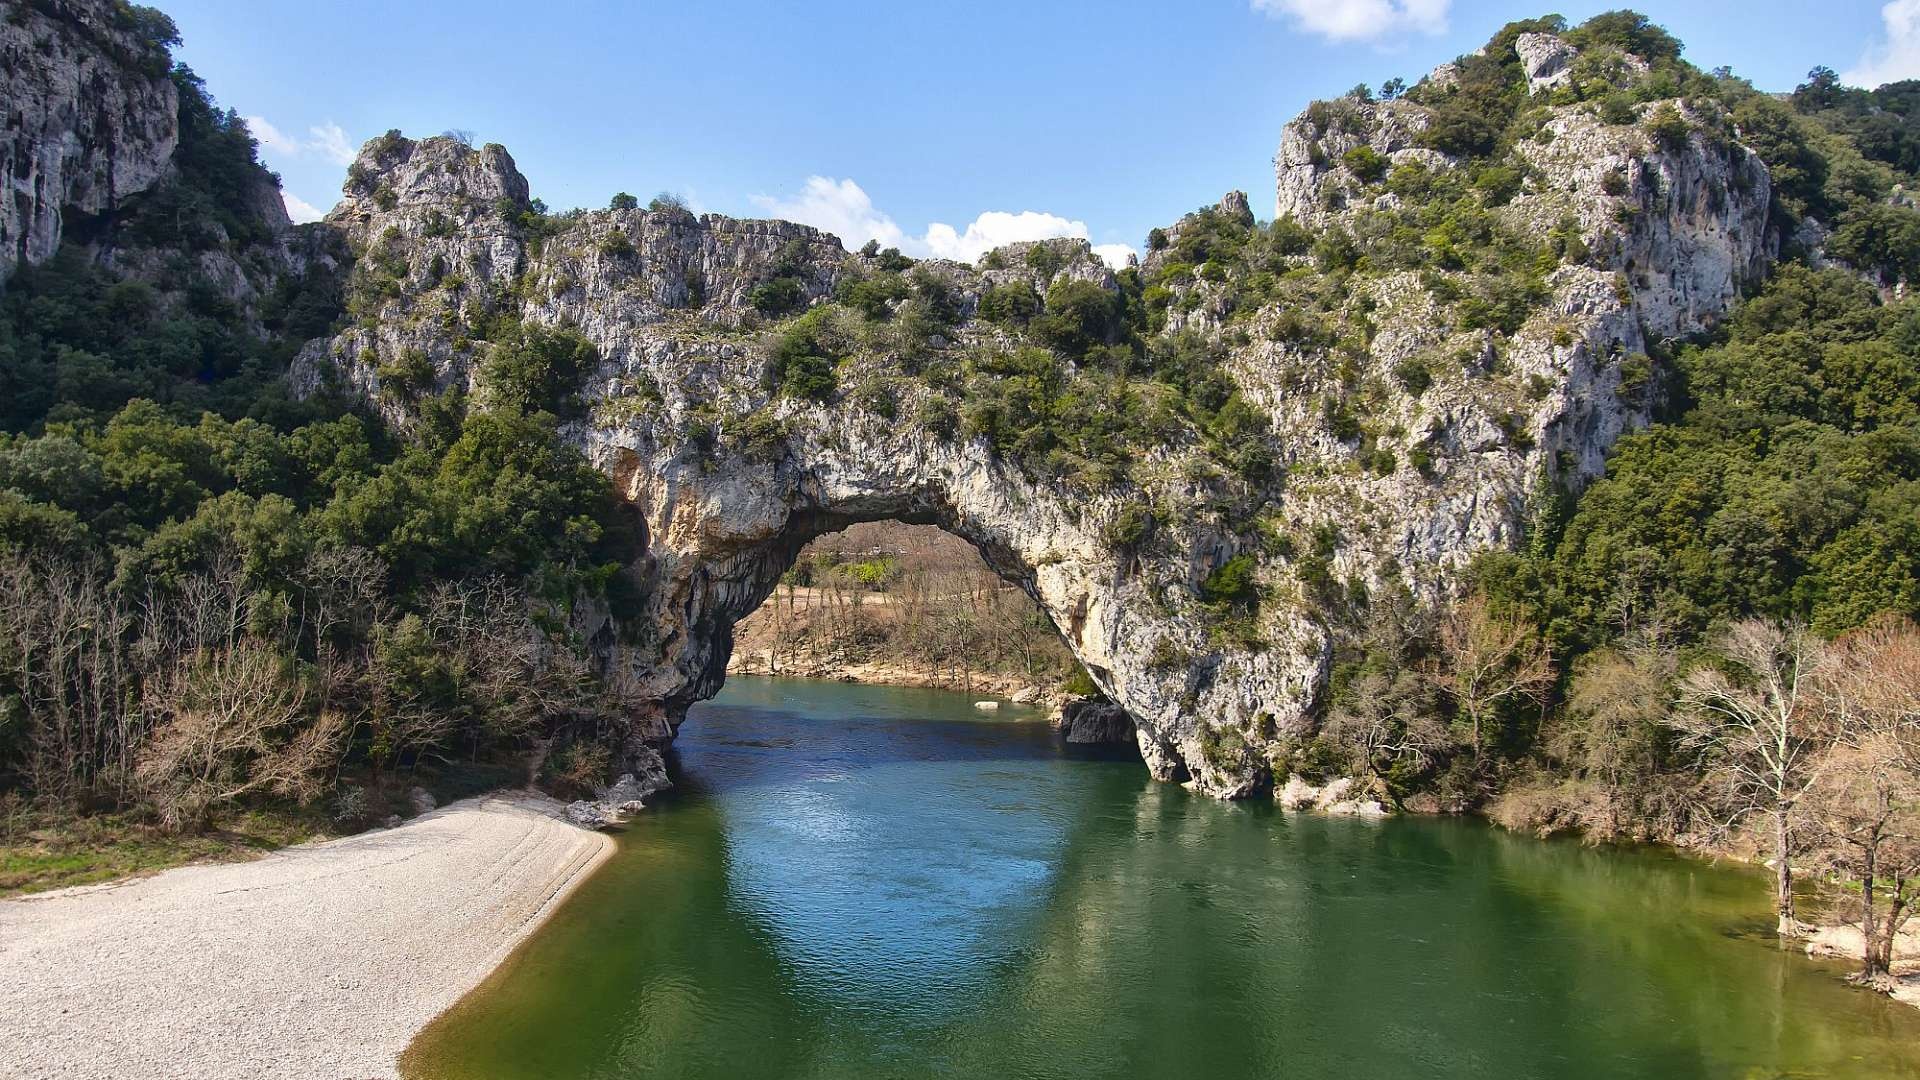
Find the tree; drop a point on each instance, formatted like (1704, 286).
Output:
(1756, 721)
(1079, 315)
(624, 201)
(1488, 661)
(1389, 730)
(1865, 809)
(1866, 794)
(1610, 732)
(229, 723)
(1013, 302)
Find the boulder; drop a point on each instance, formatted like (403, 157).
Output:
(1335, 797)
(1092, 720)
(589, 814)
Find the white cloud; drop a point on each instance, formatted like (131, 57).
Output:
(1897, 57)
(272, 138)
(300, 210)
(330, 142)
(840, 207)
(996, 228)
(843, 208)
(327, 141)
(1115, 255)
(1361, 20)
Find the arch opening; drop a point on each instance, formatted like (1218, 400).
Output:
(903, 600)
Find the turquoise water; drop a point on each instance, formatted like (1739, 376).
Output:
(876, 882)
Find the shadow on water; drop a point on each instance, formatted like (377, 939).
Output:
(860, 882)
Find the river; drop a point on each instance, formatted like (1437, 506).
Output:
(859, 881)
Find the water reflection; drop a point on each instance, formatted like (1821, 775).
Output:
(872, 883)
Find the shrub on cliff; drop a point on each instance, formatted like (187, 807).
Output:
(1079, 315)
(800, 366)
(1013, 303)
(532, 368)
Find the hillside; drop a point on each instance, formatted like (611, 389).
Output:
(452, 474)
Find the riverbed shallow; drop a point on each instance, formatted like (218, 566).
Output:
(862, 881)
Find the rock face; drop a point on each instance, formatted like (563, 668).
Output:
(1092, 721)
(1656, 226)
(1547, 60)
(93, 135)
(92, 117)
(732, 478)
(1661, 237)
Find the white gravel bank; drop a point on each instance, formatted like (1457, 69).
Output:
(318, 961)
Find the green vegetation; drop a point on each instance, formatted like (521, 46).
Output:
(801, 366)
(1576, 688)
(1788, 484)
(231, 618)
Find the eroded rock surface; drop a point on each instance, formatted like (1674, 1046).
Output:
(1092, 721)
(91, 118)
(731, 476)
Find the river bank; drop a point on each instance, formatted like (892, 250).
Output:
(983, 684)
(319, 960)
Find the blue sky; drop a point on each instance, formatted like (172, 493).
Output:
(939, 127)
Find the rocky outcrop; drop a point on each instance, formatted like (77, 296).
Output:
(1336, 797)
(1659, 236)
(91, 144)
(730, 476)
(1093, 721)
(1547, 61)
(91, 118)
(627, 795)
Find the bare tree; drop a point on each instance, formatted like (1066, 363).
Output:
(1865, 796)
(1757, 723)
(229, 723)
(1388, 722)
(1488, 660)
(1864, 806)
(1608, 735)
(65, 672)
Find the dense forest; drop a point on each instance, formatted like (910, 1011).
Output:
(218, 596)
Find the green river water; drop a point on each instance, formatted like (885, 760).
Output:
(861, 882)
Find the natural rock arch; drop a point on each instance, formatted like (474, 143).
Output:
(719, 545)
(732, 472)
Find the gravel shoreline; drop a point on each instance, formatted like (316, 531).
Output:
(320, 961)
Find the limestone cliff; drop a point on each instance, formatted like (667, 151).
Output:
(732, 475)
(91, 118)
(1357, 398)
(95, 156)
